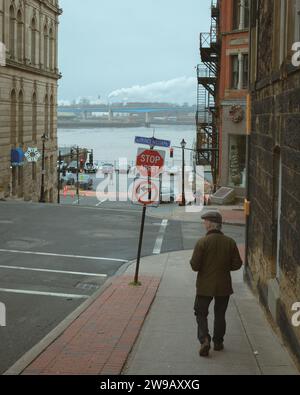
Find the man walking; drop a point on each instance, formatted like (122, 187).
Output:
(215, 256)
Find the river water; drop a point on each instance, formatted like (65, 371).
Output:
(110, 144)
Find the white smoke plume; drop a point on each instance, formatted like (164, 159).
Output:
(178, 90)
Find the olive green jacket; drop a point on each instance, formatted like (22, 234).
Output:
(215, 256)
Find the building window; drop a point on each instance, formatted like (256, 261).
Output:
(247, 14)
(21, 118)
(51, 118)
(13, 118)
(237, 161)
(46, 115)
(236, 14)
(46, 49)
(245, 71)
(20, 36)
(12, 32)
(33, 42)
(51, 49)
(235, 72)
(34, 118)
(241, 14)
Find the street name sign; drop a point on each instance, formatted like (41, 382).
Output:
(153, 142)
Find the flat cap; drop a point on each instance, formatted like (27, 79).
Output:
(213, 216)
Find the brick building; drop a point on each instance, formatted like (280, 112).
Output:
(273, 248)
(221, 115)
(232, 92)
(28, 95)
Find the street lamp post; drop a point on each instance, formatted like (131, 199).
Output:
(183, 146)
(42, 197)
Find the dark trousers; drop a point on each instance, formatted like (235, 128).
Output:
(202, 304)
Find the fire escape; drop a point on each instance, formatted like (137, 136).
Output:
(207, 73)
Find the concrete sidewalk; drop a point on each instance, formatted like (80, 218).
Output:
(168, 342)
(232, 215)
(111, 335)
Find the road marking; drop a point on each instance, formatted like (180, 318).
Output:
(52, 271)
(102, 201)
(160, 237)
(57, 295)
(91, 258)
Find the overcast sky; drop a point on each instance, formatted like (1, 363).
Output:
(131, 49)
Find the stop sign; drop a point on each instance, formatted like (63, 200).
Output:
(149, 158)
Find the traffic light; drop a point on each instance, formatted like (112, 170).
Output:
(81, 164)
(91, 158)
(172, 153)
(72, 153)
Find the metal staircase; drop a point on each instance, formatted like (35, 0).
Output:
(207, 74)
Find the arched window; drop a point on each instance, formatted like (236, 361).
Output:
(34, 118)
(51, 49)
(12, 31)
(33, 41)
(13, 118)
(51, 117)
(20, 35)
(21, 119)
(46, 115)
(46, 48)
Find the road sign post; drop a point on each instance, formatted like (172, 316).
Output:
(146, 192)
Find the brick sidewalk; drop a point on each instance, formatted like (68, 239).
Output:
(100, 340)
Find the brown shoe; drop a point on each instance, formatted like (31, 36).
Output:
(219, 346)
(205, 347)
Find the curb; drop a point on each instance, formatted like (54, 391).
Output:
(18, 367)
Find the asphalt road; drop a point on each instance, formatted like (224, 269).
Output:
(52, 258)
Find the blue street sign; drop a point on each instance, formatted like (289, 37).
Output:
(153, 142)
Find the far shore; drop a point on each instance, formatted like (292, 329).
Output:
(92, 124)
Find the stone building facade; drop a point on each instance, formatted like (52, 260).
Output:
(232, 92)
(28, 95)
(273, 248)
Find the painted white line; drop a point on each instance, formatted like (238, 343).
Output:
(91, 258)
(57, 295)
(52, 271)
(99, 204)
(160, 237)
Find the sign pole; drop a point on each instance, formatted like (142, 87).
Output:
(58, 178)
(136, 277)
(77, 174)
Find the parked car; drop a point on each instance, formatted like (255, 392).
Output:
(85, 182)
(107, 168)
